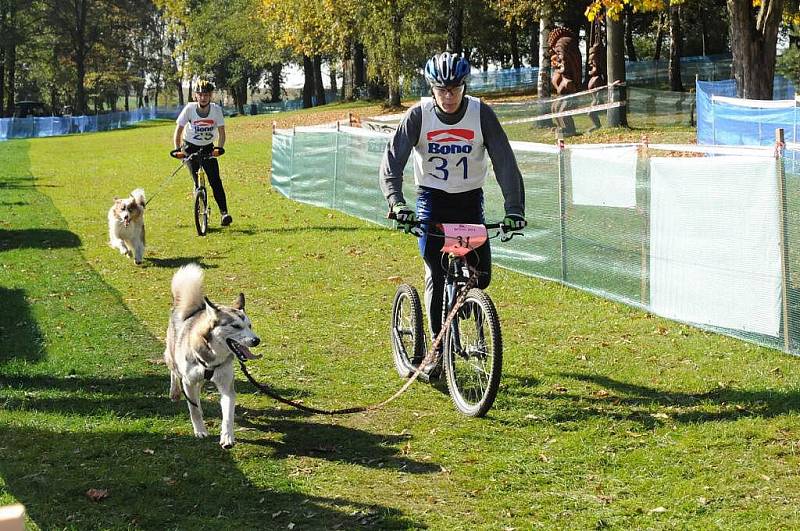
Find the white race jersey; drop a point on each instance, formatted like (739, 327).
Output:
(199, 130)
(452, 158)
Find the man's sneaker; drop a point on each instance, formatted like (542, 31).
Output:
(433, 367)
(226, 219)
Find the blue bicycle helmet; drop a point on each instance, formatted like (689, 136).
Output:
(446, 70)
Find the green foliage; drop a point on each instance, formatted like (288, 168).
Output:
(788, 64)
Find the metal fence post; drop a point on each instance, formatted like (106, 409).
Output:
(779, 146)
(643, 207)
(335, 166)
(562, 207)
(291, 162)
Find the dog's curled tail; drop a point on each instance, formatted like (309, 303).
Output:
(187, 290)
(138, 196)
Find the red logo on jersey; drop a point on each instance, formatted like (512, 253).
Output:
(203, 121)
(451, 135)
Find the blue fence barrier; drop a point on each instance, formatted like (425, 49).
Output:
(723, 119)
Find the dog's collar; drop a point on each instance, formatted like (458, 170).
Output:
(209, 369)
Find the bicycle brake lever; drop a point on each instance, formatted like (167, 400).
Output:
(508, 236)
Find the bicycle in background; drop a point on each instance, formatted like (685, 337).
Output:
(202, 210)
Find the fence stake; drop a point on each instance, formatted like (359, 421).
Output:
(779, 145)
(335, 166)
(291, 162)
(643, 208)
(562, 207)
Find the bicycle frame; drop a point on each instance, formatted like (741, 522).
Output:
(202, 209)
(471, 354)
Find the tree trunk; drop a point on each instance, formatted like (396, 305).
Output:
(675, 48)
(3, 29)
(534, 32)
(397, 57)
(9, 57)
(308, 82)
(179, 88)
(2, 81)
(332, 73)
(543, 84)
(629, 33)
(11, 62)
(455, 27)
(275, 82)
(127, 96)
(515, 60)
(80, 50)
(754, 35)
(359, 70)
(659, 37)
(319, 88)
(348, 85)
(617, 116)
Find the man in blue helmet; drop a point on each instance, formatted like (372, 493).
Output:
(452, 137)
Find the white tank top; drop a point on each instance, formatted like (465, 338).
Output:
(451, 157)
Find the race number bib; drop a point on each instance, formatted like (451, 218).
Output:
(461, 238)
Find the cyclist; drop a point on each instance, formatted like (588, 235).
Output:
(198, 124)
(452, 137)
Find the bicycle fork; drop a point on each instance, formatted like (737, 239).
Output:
(452, 288)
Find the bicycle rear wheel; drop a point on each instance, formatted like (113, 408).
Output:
(473, 355)
(408, 343)
(201, 211)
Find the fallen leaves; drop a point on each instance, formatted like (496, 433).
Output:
(97, 495)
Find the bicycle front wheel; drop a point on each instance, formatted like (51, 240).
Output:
(408, 344)
(201, 211)
(473, 355)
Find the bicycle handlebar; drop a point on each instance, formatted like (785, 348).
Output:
(187, 158)
(506, 236)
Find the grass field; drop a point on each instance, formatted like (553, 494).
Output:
(607, 417)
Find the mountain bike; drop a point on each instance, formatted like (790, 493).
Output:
(472, 351)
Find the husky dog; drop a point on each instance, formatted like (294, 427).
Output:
(126, 225)
(202, 338)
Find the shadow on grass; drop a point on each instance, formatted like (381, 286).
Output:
(20, 337)
(19, 184)
(304, 228)
(147, 397)
(157, 482)
(178, 261)
(333, 443)
(37, 239)
(635, 402)
(111, 425)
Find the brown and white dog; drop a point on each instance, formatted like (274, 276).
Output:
(202, 339)
(126, 225)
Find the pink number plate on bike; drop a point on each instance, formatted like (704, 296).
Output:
(461, 238)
